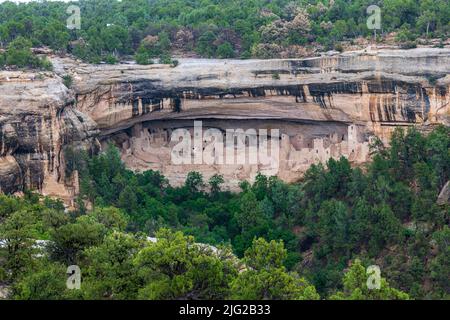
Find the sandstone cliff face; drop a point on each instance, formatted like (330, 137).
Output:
(324, 107)
(37, 121)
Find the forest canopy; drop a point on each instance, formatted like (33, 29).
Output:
(214, 28)
(135, 236)
(313, 239)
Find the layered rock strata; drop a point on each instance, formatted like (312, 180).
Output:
(38, 120)
(323, 107)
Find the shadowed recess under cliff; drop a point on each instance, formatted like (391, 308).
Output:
(325, 107)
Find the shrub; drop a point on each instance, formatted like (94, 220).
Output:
(111, 59)
(19, 54)
(67, 80)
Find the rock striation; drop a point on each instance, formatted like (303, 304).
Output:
(38, 120)
(324, 107)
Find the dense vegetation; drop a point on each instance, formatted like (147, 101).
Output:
(18, 53)
(215, 28)
(301, 241)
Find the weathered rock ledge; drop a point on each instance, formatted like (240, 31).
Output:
(324, 107)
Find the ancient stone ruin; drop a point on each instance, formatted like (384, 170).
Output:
(325, 107)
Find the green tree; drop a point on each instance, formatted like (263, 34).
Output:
(265, 276)
(250, 214)
(205, 44)
(356, 288)
(215, 182)
(333, 227)
(440, 268)
(18, 232)
(194, 182)
(143, 56)
(175, 267)
(110, 272)
(69, 240)
(46, 282)
(110, 217)
(19, 54)
(225, 50)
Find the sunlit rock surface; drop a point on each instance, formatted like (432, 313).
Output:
(444, 195)
(324, 107)
(37, 121)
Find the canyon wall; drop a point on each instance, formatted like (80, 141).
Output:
(38, 120)
(323, 107)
